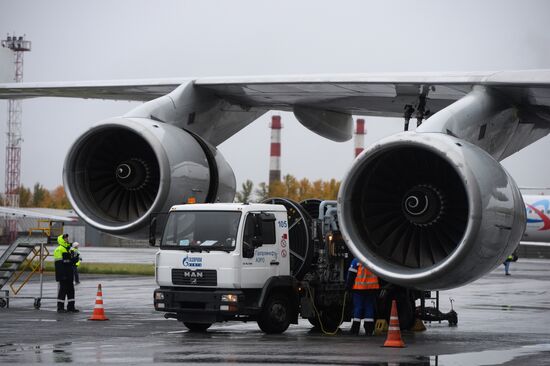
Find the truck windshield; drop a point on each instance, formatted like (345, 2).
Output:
(201, 230)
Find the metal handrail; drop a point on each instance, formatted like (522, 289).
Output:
(42, 253)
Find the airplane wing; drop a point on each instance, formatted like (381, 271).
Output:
(357, 94)
(135, 90)
(9, 212)
(374, 94)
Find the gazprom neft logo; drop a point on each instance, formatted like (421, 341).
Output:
(192, 261)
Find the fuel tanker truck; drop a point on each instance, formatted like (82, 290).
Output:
(270, 262)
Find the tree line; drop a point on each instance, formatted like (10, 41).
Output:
(289, 187)
(41, 197)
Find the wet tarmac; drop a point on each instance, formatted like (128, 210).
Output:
(502, 320)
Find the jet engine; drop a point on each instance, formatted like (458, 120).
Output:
(430, 211)
(122, 170)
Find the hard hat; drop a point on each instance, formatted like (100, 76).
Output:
(75, 244)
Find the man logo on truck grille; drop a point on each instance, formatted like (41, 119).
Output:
(192, 275)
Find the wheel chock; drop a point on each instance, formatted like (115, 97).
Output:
(380, 327)
(418, 326)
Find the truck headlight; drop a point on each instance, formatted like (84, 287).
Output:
(229, 298)
(159, 296)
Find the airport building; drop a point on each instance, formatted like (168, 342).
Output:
(39, 219)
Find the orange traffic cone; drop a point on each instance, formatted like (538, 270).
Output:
(394, 332)
(98, 314)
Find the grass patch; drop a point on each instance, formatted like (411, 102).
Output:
(135, 269)
(118, 268)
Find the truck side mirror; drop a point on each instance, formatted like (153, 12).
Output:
(153, 231)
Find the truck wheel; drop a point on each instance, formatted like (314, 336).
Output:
(197, 327)
(275, 315)
(405, 311)
(406, 315)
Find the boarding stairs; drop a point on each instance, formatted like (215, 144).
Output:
(19, 262)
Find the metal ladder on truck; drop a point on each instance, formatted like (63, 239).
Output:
(22, 259)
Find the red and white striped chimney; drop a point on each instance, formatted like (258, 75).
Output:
(360, 133)
(275, 154)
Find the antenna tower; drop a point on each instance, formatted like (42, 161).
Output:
(14, 137)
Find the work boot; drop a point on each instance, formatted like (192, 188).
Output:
(71, 308)
(355, 327)
(61, 311)
(60, 307)
(369, 328)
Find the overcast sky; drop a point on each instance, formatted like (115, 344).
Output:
(99, 40)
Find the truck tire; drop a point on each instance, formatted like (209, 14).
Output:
(197, 327)
(406, 310)
(275, 315)
(406, 313)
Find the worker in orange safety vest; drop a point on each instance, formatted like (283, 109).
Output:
(365, 286)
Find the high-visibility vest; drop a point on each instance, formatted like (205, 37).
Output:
(75, 253)
(58, 252)
(365, 279)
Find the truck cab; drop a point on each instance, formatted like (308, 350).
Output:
(221, 262)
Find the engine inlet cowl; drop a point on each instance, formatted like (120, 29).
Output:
(120, 171)
(429, 211)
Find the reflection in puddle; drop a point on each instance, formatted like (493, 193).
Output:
(505, 307)
(60, 354)
(69, 352)
(492, 357)
(257, 359)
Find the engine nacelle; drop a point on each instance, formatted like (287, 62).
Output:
(430, 211)
(123, 169)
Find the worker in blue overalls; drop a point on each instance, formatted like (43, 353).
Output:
(364, 285)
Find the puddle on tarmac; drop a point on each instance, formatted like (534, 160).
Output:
(262, 360)
(41, 320)
(506, 307)
(490, 357)
(66, 352)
